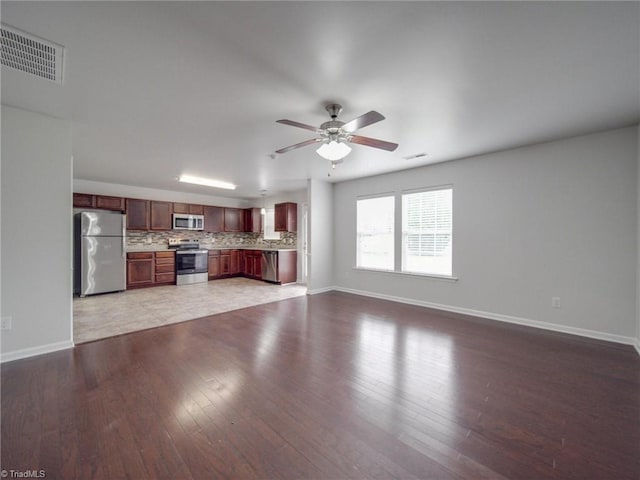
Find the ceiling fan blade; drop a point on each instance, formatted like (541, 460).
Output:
(299, 125)
(373, 142)
(299, 145)
(362, 121)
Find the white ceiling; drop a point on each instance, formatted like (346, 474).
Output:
(156, 89)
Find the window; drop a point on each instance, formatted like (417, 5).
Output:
(427, 232)
(375, 242)
(268, 221)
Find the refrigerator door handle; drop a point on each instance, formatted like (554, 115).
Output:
(124, 236)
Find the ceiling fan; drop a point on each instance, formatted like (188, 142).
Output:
(335, 135)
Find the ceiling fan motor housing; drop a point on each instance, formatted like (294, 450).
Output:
(334, 110)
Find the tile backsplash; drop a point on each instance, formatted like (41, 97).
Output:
(136, 238)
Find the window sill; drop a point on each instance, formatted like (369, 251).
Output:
(409, 274)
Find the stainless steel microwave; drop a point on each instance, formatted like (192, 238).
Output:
(183, 221)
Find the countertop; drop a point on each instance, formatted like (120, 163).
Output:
(155, 248)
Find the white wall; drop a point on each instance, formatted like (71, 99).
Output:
(551, 220)
(321, 251)
(36, 233)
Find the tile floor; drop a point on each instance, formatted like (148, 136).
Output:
(111, 314)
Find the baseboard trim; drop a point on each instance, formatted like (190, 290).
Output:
(316, 291)
(583, 332)
(637, 345)
(33, 351)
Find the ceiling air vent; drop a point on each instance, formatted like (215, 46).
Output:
(31, 54)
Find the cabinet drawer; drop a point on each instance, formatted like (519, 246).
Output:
(140, 255)
(165, 261)
(213, 253)
(165, 254)
(165, 268)
(165, 277)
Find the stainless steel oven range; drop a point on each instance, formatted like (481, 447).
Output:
(191, 263)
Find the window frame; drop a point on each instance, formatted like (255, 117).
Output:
(392, 196)
(398, 234)
(403, 259)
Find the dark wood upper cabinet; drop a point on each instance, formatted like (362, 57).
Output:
(161, 215)
(137, 214)
(102, 202)
(233, 220)
(213, 219)
(196, 209)
(110, 203)
(83, 200)
(252, 220)
(180, 208)
(188, 208)
(286, 217)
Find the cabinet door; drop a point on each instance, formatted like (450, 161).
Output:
(257, 266)
(180, 208)
(248, 263)
(161, 215)
(140, 272)
(196, 209)
(110, 203)
(225, 259)
(137, 214)
(234, 265)
(286, 217)
(287, 266)
(83, 200)
(214, 266)
(213, 219)
(232, 220)
(252, 220)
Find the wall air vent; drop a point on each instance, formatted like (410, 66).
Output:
(31, 54)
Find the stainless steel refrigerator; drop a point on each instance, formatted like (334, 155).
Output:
(99, 252)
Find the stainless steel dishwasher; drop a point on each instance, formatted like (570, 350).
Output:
(270, 266)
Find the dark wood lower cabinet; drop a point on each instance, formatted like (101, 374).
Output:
(287, 266)
(214, 264)
(148, 269)
(165, 267)
(140, 269)
(253, 264)
(225, 263)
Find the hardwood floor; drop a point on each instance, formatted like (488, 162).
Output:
(327, 386)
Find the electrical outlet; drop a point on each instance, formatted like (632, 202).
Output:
(5, 323)
(555, 302)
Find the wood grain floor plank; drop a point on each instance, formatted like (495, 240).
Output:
(327, 386)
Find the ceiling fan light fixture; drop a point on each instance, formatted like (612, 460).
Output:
(334, 150)
(207, 182)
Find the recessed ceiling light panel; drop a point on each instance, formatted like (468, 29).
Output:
(208, 182)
